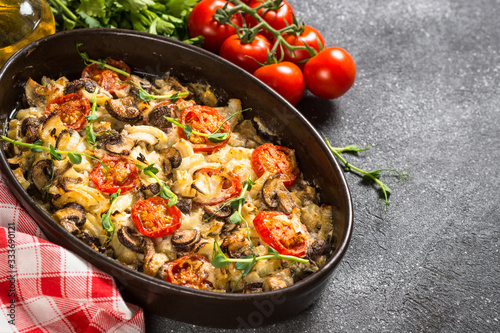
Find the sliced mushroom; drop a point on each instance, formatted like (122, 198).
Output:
(185, 240)
(33, 96)
(85, 83)
(73, 213)
(171, 159)
(156, 117)
(119, 144)
(184, 204)
(29, 128)
(149, 250)
(131, 241)
(317, 249)
(41, 174)
(123, 109)
(91, 241)
(253, 287)
(220, 211)
(273, 283)
(236, 246)
(276, 195)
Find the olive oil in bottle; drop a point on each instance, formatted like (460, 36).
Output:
(22, 22)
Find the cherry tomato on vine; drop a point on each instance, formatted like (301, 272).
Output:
(330, 73)
(202, 23)
(277, 19)
(203, 119)
(215, 185)
(310, 37)
(106, 78)
(72, 109)
(120, 173)
(276, 160)
(154, 218)
(283, 233)
(192, 270)
(284, 77)
(246, 55)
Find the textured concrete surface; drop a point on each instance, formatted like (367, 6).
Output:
(427, 97)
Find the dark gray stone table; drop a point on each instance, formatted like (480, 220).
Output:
(426, 97)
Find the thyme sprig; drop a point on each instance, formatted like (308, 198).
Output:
(215, 137)
(101, 63)
(146, 97)
(165, 191)
(106, 222)
(369, 175)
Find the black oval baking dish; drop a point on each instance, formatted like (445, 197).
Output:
(56, 55)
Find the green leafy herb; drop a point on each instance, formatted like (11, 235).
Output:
(89, 130)
(101, 63)
(368, 175)
(145, 96)
(165, 191)
(106, 222)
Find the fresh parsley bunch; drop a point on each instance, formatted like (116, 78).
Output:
(165, 17)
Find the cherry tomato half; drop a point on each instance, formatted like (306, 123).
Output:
(154, 218)
(276, 160)
(202, 23)
(120, 174)
(203, 119)
(246, 55)
(278, 19)
(283, 233)
(284, 77)
(72, 109)
(330, 73)
(215, 185)
(310, 37)
(106, 78)
(192, 270)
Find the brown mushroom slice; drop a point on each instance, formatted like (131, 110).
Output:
(171, 159)
(119, 144)
(123, 109)
(33, 96)
(72, 212)
(273, 283)
(76, 85)
(184, 240)
(276, 195)
(217, 211)
(156, 117)
(41, 174)
(91, 241)
(317, 249)
(184, 204)
(29, 128)
(149, 250)
(236, 246)
(129, 240)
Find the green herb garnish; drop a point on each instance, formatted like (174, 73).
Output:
(106, 222)
(165, 191)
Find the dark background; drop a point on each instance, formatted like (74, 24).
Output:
(427, 98)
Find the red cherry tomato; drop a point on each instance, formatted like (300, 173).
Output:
(276, 160)
(120, 174)
(278, 19)
(192, 270)
(106, 78)
(202, 23)
(246, 55)
(330, 73)
(154, 218)
(282, 232)
(284, 77)
(203, 119)
(72, 109)
(215, 185)
(310, 37)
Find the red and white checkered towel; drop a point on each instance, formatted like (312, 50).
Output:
(45, 288)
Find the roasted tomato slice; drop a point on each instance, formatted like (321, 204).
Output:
(192, 270)
(215, 185)
(107, 78)
(120, 174)
(72, 109)
(276, 159)
(154, 218)
(203, 119)
(284, 233)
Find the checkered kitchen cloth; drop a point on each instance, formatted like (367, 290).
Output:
(45, 288)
